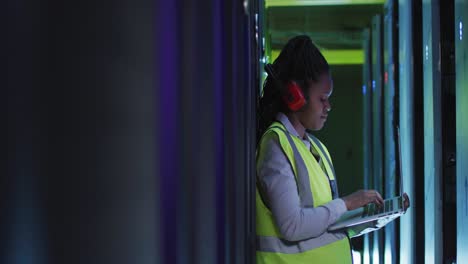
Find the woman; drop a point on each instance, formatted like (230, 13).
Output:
(297, 198)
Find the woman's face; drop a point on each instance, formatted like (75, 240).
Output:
(315, 113)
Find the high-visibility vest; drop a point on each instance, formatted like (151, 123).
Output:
(315, 189)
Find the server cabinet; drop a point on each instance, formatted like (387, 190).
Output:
(461, 68)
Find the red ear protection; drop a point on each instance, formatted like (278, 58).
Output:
(294, 98)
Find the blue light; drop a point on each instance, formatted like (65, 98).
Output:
(461, 30)
(373, 84)
(427, 52)
(388, 254)
(366, 258)
(375, 255)
(364, 89)
(357, 257)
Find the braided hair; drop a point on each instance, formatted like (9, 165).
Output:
(300, 60)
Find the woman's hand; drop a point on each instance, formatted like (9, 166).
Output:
(363, 197)
(406, 201)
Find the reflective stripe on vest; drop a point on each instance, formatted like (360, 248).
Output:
(278, 245)
(303, 175)
(333, 185)
(305, 193)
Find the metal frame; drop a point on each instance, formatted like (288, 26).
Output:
(432, 132)
(461, 42)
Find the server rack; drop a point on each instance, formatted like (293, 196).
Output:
(461, 67)
(367, 131)
(390, 96)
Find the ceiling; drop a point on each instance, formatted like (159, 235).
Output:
(336, 27)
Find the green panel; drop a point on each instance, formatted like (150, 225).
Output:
(461, 54)
(321, 2)
(335, 57)
(432, 133)
(344, 56)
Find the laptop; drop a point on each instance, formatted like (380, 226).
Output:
(371, 216)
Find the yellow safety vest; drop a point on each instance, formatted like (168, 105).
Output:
(314, 190)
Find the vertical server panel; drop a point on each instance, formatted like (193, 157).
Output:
(377, 124)
(432, 132)
(390, 120)
(448, 124)
(405, 54)
(367, 133)
(461, 54)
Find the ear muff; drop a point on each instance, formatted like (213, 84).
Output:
(294, 98)
(292, 95)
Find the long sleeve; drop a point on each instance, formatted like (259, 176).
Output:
(280, 193)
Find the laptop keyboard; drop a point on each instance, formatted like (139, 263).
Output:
(372, 209)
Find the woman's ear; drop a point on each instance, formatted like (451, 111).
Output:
(294, 97)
